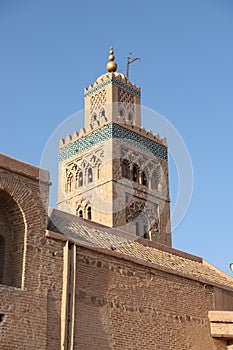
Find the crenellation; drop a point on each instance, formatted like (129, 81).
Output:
(164, 140)
(75, 136)
(82, 131)
(68, 139)
(61, 143)
(150, 134)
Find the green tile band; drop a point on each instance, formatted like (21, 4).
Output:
(113, 131)
(114, 82)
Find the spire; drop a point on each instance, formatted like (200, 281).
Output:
(111, 65)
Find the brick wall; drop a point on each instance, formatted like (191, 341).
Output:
(31, 290)
(122, 305)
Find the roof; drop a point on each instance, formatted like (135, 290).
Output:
(95, 236)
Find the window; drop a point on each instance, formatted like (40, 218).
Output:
(2, 257)
(121, 112)
(137, 229)
(130, 118)
(154, 181)
(89, 213)
(90, 175)
(69, 183)
(80, 178)
(143, 178)
(102, 113)
(80, 213)
(135, 173)
(145, 231)
(125, 169)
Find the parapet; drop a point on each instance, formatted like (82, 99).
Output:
(24, 169)
(139, 130)
(118, 79)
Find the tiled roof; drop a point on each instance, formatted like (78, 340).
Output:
(99, 236)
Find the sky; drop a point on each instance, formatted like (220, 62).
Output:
(52, 49)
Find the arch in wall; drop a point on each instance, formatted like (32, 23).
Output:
(155, 180)
(89, 214)
(12, 241)
(89, 175)
(2, 257)
(125, 168)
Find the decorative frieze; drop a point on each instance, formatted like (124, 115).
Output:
(113, 131)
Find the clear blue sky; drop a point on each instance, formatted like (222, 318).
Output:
(52, 49)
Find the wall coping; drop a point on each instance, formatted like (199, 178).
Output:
(24, 169)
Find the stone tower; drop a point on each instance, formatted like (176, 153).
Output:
(113, 171)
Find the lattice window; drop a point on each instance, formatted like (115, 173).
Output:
(124, 96)
(98, 99)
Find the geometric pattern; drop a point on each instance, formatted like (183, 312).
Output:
(114, 82)
(113, 131)
(99, 99)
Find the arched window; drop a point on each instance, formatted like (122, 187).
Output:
(89, 213)
(154, 181)
(69, 183)
(80, 178)
(130, 118)
(125, 169)
(137, 229)
(80, 213)
(143, 178)
(2, 258)
(145, 231)
(121, 112)
(102, 113)
(90, 175)
(135, 173)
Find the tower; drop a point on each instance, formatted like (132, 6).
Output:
(113, 171)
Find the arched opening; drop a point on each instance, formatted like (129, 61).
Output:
(121, 112)
(143, 178)
(80, 213)
(154, 181)
(102, 113)
(145, 231)
(12, 238)
(125, 169)
(89, 213)
(137, 229)
(90, 175)
(135, 173)
(69, 183)
(80, 178)
(130, 118)
(2, 257)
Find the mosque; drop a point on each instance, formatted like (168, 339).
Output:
(99, 271)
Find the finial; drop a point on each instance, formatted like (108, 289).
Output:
(111, 65)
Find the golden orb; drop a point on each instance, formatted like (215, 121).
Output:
(111, 66)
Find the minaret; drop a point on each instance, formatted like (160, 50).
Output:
(113, 171)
